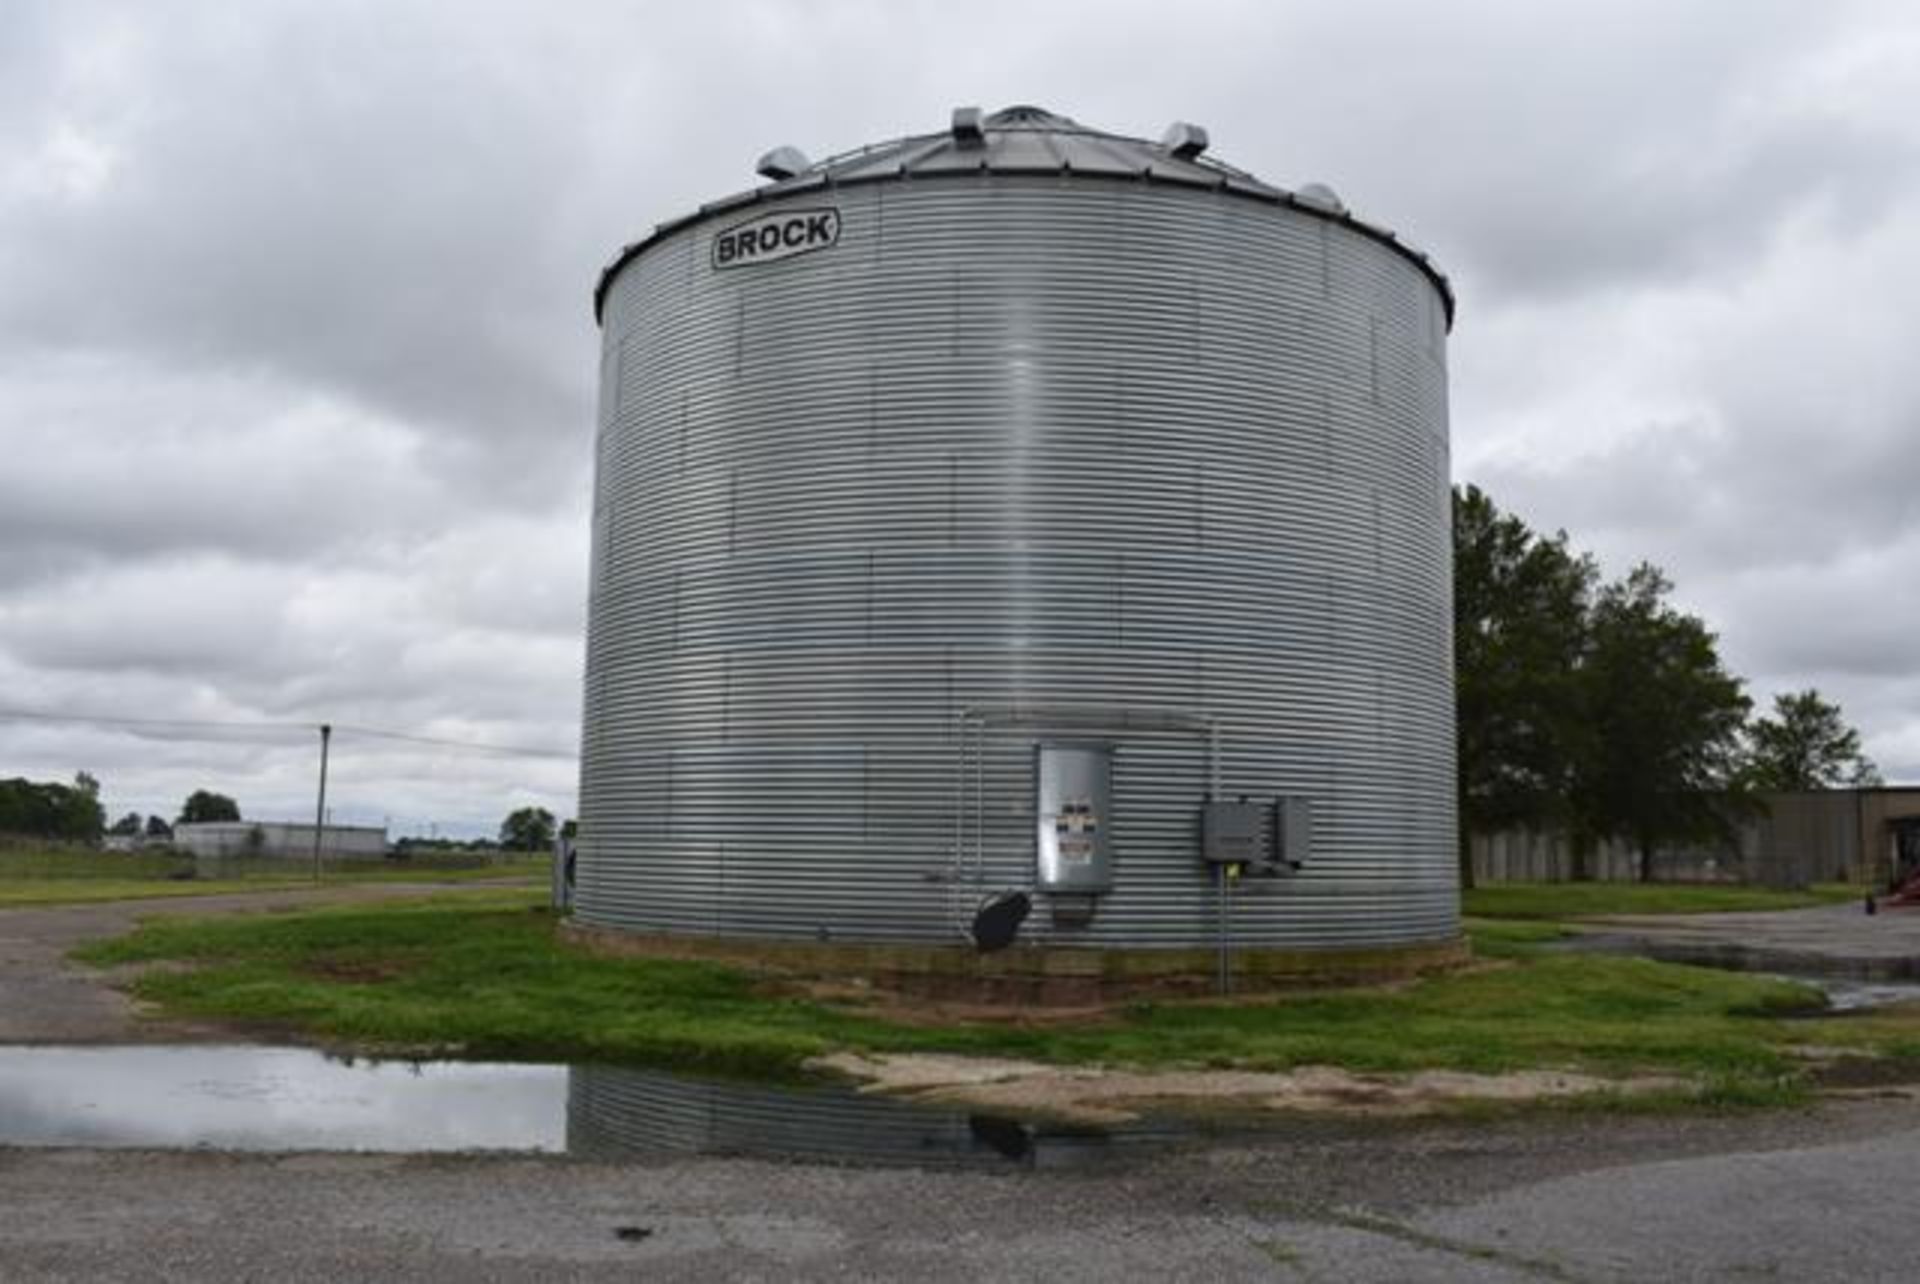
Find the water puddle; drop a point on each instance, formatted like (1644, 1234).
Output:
(246, 1098)
(1847, 994)
(275, 1099)
(1859, 996)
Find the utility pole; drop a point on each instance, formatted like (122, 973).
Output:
(320, 808)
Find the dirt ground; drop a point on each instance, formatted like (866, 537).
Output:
(1094, 1095)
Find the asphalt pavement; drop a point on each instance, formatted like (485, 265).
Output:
(1823, 1194)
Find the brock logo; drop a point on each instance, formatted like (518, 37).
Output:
(776, 236)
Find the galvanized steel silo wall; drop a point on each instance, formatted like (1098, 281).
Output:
(1092, 458)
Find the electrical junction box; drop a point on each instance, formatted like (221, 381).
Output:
(1236, 833)
(1263, 837)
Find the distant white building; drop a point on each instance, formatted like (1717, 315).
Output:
(278, 840)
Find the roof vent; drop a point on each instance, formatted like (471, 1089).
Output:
(1184, 140)
(782, 163)
(969, 129)
(1321, 197)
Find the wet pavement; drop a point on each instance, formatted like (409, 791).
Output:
(1827, 940)
(288, 1099)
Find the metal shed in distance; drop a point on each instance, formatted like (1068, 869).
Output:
(974, 509)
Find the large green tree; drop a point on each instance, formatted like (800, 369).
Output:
(1806, 744)
(86, 818)
(205, 805)
(37, 809)
(1520, 605)
(1664, 721)
(529, 829)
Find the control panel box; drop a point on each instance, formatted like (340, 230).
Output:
(1236, 833)
(1262, 837)
(1073, 811)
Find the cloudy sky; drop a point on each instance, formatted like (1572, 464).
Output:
(297, 363)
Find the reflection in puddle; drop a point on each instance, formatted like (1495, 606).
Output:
(248, 1098)
(613, 1112)
(243, 1098)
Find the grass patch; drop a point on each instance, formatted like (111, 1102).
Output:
(36, 864)
(1509, 939)
(1579, 900)
(71, 891)
(57, 877)
(485, 977)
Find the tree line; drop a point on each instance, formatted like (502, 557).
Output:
(202, 805)
(1602, 710)
(48, 809)
(73, 813)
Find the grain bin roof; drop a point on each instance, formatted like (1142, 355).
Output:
(1027, 140)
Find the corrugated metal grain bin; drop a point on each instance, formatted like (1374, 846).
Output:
(973, 508)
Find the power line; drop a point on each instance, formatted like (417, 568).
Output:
(478, 746)
(281, 728)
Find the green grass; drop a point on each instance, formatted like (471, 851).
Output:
(489, 979)
(1580, 900)
(1510, 938)
(33, 864)
(55, 877)
(68, 891)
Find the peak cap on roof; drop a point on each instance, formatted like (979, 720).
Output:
(1028, 114)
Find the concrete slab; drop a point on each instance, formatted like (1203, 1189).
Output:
(1827, 940)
